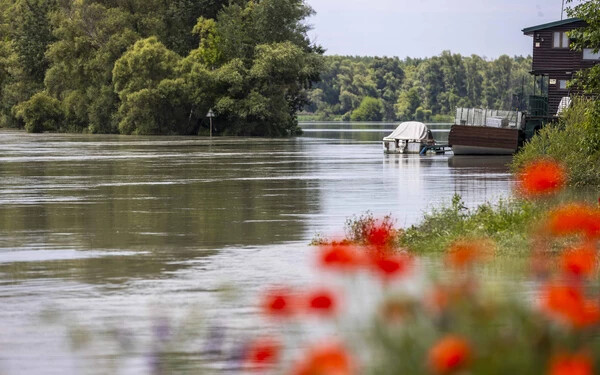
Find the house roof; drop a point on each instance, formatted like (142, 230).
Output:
(532, 29)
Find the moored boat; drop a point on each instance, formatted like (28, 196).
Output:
(408, 138)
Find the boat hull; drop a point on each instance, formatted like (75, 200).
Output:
(475, 150)
(396, 147)
(483, 140)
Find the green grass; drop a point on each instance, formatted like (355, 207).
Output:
(507, 222)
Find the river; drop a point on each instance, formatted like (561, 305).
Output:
(109, 244)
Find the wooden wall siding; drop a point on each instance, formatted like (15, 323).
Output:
(554, 99)
(546, 58)
(557, 63)
(482, 136)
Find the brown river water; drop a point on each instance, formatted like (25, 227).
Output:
(117, 253)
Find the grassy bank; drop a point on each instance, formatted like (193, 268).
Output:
(510, 223)
(507, 222)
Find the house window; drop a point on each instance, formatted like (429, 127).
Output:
(562, 84)
(588, 54)
(561, 40)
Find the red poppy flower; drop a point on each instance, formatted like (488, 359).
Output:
(579, 261)
(571, 364)
(541, 177)
(380, 235)
(575, 218)
(390, 267)
(325, 359)
(280, 304)
(343, 258)
(449, 354)
(263, 352)
(569, 305)
(322, 302)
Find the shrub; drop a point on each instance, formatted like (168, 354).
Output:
(574, 140)
(370, 109)
(41, 113)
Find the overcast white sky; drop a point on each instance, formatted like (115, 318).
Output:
(424, 28)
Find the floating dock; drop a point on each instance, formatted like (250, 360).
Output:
(438, 149)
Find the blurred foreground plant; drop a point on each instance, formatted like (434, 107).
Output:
(390, 312)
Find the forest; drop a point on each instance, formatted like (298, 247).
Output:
(154, 66)
(157, 67)
(390, 89)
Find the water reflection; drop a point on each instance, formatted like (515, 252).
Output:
(479, 175)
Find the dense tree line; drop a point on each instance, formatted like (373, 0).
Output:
(382, 88)
(154, 66)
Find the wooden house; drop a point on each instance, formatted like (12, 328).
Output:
(555, 63)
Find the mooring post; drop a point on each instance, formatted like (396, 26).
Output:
(210, 116)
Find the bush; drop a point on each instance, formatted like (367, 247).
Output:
(574, 140)
(360, 229)
(41, 113)
(442, 118)
(370, 109)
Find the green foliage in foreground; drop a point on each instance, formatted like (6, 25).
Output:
(156, 67)
(574, 140)
(587, 37)
(507, 222)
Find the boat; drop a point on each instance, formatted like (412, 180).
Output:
(410, 137)
(486, 132)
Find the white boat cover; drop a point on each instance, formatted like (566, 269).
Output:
(410, 131)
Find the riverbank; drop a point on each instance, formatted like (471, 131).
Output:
(574, 140)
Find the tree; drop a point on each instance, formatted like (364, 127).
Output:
(40, 113)
(407, 104)
(370, 109)
(587, 37)
(137, 76)
(31, 34)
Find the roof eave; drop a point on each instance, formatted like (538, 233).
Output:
(532, 29)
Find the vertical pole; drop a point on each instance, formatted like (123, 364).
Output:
(562, 11)
(210, 126)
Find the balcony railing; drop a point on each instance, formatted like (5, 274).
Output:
(538, 105)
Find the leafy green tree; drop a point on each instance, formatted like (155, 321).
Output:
(31, 34)
(209, 52)
(40, 113)
(181, 16)
(136, 79)
(370, 109)
(25, 33)
(407, 104)
(587, 37)
(498, 83)
(437, 85)
(475, 68)
(90, 38)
